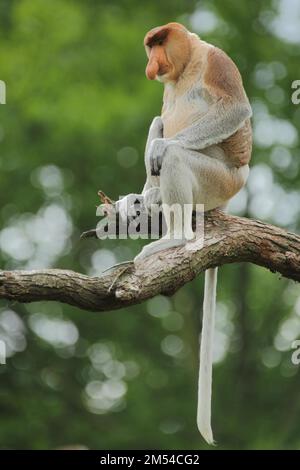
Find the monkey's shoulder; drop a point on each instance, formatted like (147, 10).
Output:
(222, 76)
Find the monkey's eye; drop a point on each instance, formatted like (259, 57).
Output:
(160, 42)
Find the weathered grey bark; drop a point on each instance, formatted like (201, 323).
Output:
(228, 239)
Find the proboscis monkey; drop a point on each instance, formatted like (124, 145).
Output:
(197, 152)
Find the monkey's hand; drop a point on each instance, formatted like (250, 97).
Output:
(129, 205)
(152, 200)
(156, 155)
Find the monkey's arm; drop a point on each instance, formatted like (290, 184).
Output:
(128, 205)
(230, 109)
(222, 120)
(151, 191)
(155, 132)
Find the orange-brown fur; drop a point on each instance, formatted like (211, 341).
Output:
(222, 77)
(209, 72)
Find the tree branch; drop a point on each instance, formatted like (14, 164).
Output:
(227, 239)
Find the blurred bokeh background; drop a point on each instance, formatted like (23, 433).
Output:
(76, 119)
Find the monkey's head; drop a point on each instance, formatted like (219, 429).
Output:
(168, 49)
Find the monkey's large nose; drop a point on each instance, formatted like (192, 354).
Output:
(152, 69)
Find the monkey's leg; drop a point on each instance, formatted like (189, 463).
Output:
(188, 178)
(176, 191)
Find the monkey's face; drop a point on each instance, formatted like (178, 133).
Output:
(168, 51)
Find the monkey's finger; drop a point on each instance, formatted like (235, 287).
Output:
(153, 173)
(158, 162)
(154, 166)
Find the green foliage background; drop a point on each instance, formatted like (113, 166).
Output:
(78, 108)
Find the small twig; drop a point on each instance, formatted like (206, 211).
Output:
(89, 234)
(118, 277)
(117, 265)
(105, 199)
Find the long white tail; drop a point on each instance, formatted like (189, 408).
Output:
(206, 350)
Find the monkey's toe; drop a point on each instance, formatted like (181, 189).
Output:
(159, 245)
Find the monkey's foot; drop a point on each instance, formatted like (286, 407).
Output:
(159, 245)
